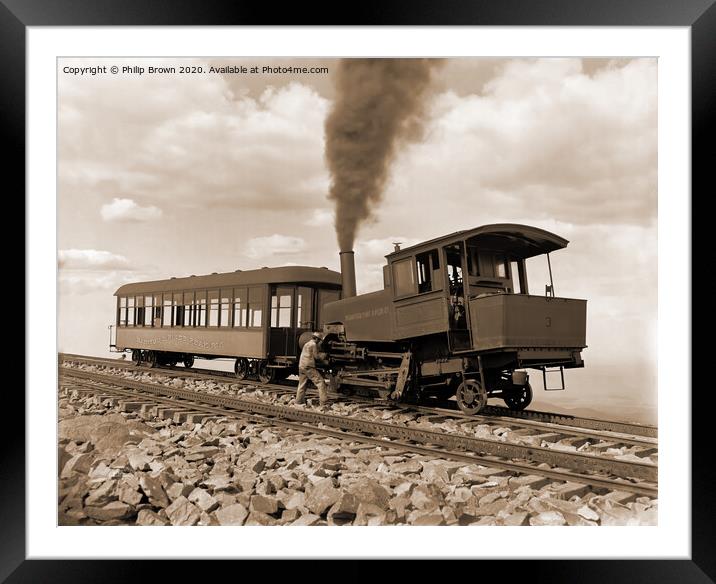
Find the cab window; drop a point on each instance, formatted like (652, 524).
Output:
(427, 266)
(404, 277)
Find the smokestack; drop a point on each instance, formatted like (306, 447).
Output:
(348, 273)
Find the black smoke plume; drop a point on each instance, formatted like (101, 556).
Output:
(379, 104)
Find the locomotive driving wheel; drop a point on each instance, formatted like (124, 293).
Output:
(471, 396)
(520, 398)
(136, 356)
(266, 374)
(241, 368)
(188, 361)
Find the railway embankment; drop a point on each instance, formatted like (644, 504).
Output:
(129, 468)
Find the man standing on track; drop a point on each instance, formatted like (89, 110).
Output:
(307, 370)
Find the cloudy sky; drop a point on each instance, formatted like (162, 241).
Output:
(171, 175)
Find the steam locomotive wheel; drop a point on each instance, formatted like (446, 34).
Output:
(519, 399)
(241, 368)
(266, 374)
(188, 361)
(136, 357)
(471, 396)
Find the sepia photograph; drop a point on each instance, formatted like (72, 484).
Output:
(357, 291)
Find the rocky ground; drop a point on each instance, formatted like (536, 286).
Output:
(117, 468)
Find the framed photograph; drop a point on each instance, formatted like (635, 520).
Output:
(379, 210)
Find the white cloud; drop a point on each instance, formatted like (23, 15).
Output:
(321, 218)
(375, 250)
(86, 281)
(126, 210)
(543, 140)
(82, 271)
(91, 259)
(265, 247)
(191, 143)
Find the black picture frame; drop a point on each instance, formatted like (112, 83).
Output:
(699, 15)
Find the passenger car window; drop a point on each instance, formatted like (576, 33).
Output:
(213, 308)
(240, 299)
(304, 307)
(225, 311)
(281, 301)
(256, 306)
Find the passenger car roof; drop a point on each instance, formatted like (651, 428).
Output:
(283, 275)
(521, 240)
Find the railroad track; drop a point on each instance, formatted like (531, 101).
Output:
(551, 435)
(622, 430)
(557, 465)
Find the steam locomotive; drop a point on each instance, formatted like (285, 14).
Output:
(454, 318)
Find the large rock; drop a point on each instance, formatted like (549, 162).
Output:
(234, 514)
(492, 508)
(548, 518)
(149, 517)
(113, 510)
(178, 489)
(245, 480)
(258, 518)
(289, 516)
(105, 493)
(183, 512)
(423, 517)
(588, 513)
(426, 497)
(219, 483)
(139, 460)
(468, 475)
(128, 493)
(369, 514)
(399, 506)
(322, 496)
(203, 500)
(307, 519)
(107, 433)
(370, 492)
(80, 463)
(298, 499)
(154, 491)
(62, 457)
(102, 472)
(263, 504)
(344, 510)
(435, 473)
(407, 467)
(517, 518)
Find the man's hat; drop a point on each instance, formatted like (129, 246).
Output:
(316, 335)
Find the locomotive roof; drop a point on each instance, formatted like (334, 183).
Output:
(523, 241)
(283, 275)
